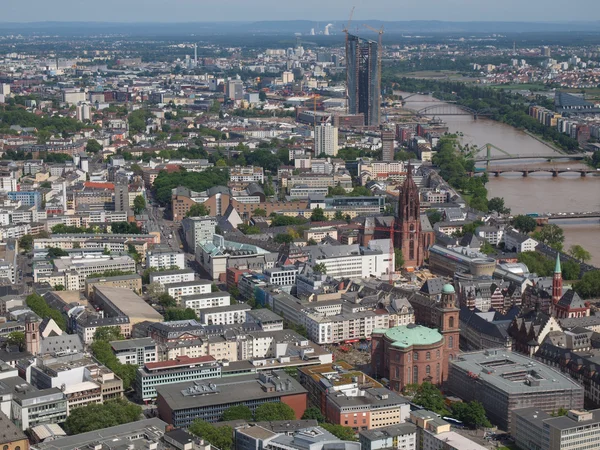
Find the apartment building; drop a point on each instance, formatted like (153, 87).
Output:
(200, 302)
(187, 288)
(162, 258)
(395, 437)
(135, 351)
(172, 276)
(246, 175)
(132, 282)
(198, 230)
(224, 315)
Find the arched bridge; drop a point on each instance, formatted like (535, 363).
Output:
(526, 170)
(444, 109)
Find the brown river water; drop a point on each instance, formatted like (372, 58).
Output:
(539, 192)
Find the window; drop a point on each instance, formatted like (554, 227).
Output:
(451, 342)
(428, 355)
(416, 356)
(437, 353)
(428, 370)
(415, 374)
(451, 322)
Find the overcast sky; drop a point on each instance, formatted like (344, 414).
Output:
(321, 10)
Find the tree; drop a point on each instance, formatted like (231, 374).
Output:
(340, 431)
(38, 305)
(398, 259)
(268, 412)
(430, 397)
(93, 146)
(571, 270)
(497, 204)
(579, 253)
(318, 215)
(139, 204)
(173, 314)
(471, 414)
(262, 96)
(551, 235)
(95, 416)
(16, 338)
(239, 412)
(198, 210)
(26, 242)
(311, 241)
(54, 252)
(487, 248)
(221, 438)
(108, 334)
(284, 238)
(166, 301)
(320, 268)
(434, 216)
(259, 212)
(524, 224)
(313, 413)
(589, 285)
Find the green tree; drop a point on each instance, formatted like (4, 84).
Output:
(320, 268)
(340, 431)
(318, 215)
(26, 242)
(54, 252)
(95, 416)
(589, 285)
(497, 204)
(268, 412)
(284, 238)
(173, 314)
(139, 204)
(471, 414)
(239, 412)
(198, 210)
(16, 338)
(524, 224)
(284, 221)
(259, 212)
(166, 301)
(434, 216)
(430, 397)
(551, 235)
(93, 146)
(313, 413)
(38, 305)
(537, 263)
(398, 259)
(221, 437)
(579, 253)
(108, 334)
(487, 248)
(571, 270)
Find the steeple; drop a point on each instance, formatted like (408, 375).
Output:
(557, 282)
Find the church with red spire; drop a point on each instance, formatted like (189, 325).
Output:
(409, 236)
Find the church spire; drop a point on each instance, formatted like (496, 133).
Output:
(557, 268)
(557, 282)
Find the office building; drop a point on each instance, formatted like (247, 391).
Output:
(198, 230)
(132, 282)
(363, 75)
(224, 315)
(121, 197)
(181, 404)
(536, 429)
(262, 436)
(326, 140)
(504, 381)
(179, 370)
(187, 288)
(235, 90)
(200, 302)
(135, 351)
(434, 433)
(394, 437)
(387, 145)
(172, 276)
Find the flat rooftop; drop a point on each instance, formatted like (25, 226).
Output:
(512, 373)
(188, 284)
(129, 303)
(225, 390)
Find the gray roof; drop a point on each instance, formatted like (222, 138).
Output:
(229, 390)
(494, 366)
(389, 431)
(131, 344)
(265, 315)
(63, 343)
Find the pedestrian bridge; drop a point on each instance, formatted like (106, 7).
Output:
(526, 170)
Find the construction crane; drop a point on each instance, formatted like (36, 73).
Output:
(379, 53)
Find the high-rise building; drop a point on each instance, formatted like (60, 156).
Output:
(326, 140)
(387, 145)
(363, 72)
(235, 90)
(121, 197)
(407, 234)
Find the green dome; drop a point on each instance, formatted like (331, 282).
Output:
(448, 289)
(409, 335)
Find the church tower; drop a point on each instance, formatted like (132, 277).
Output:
(407, 234)
(32, 335)
(557, 282)
(449, 327)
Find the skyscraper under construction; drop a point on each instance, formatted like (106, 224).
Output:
(363, 75)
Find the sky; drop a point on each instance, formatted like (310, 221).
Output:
(319, 10)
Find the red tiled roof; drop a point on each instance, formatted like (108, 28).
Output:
(98, 185)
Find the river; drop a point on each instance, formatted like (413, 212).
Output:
(538, 192)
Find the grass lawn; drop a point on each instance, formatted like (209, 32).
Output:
(534, 86)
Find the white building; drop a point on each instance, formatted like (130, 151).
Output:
(199, 302)
(518, 242)
(248, 174)
(172, 276)
(282, 276)
(224, 315)
(186, 288)
(326, 140)
(135, 351)
(164, 259)
(198, 230)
